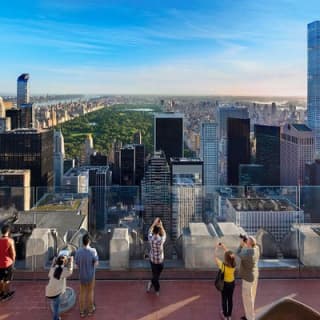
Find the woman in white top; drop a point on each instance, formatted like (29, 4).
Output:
(60, 270)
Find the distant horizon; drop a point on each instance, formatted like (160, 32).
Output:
(155, 95)
(240, 48)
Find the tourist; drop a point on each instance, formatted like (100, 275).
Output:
(86, 260)
(157, 237)
(61, 269)
(7, 259)
(228, 266)
(249, 254)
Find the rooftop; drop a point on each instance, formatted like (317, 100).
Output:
(301, 127)
(57, 202)
(127, 300)
(260, 204)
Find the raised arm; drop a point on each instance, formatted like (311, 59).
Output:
(222, 246)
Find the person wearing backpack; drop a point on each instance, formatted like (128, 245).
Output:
(228, 266)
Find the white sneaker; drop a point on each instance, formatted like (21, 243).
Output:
(149, 286)
(158, 293)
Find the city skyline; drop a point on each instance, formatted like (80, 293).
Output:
(208, 48)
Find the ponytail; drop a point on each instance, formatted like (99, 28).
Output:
(58, 270)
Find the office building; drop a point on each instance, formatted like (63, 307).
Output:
(155, 192)
(58, 157)
(127, 166)
(23, 89)
(168, 134)
(268, 152)
(223, 113)
(29, 149)
(15, 190)
(209, 153)
(15, 117)
(27, 115)
(252, 175)
(137, 138)
(310, 192)
(238, 148)
(314, 81)
(276, 216)
(187, 193)
(5, 123)
(139, 162)
(98, 159)
(132, 164)
(87, 150)
(297, 148)
(68, 164)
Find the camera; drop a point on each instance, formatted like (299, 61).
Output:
(64, 253)
(244, 237)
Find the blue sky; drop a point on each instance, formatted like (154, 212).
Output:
(239, 47)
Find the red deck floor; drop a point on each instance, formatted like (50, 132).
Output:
(127, 300)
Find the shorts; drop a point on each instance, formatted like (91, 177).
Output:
(6, 274)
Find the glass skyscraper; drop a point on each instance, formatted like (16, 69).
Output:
(23, 89)
(314, 81)
(209, 152)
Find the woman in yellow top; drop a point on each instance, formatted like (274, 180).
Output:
(229, 267)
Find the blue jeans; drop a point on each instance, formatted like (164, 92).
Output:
(56, 305)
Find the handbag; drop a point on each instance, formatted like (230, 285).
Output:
(219, 282)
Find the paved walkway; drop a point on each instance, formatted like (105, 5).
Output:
(127, 300)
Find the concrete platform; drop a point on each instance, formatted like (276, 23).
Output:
(181, 299)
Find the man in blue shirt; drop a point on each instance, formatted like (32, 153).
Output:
(86, 260)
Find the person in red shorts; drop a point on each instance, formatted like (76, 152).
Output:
(7, 258)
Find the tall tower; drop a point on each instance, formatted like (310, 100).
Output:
(58, 157)
(168, 134)
(238, 147)
(87, 150)
(296, 149)
(224, 113)
(314, 81)
(209, 152)
(268, 152)
(23, 89)
(155, 192)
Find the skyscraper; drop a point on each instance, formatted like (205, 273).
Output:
(155, 192)
(209, 152)
(314, 81)
(268, 152)
(187, 190)
(297, 148)
(29, 149)
(87, 150)
(238, 148)
(27, 115)
(15, 116)
(127, 166)
(23, 89)
(140, 162)
(168, 134)
(223, 114)
(58, 157)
